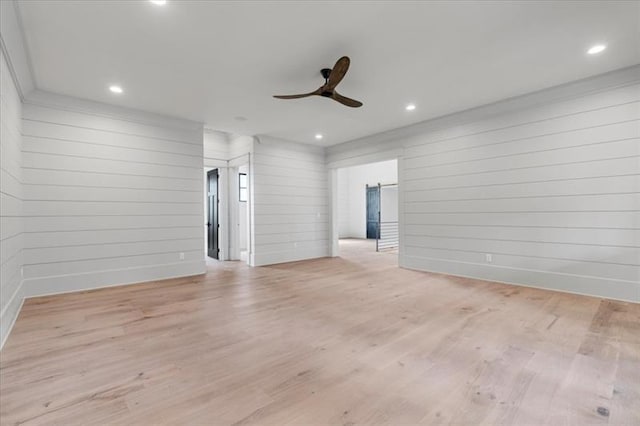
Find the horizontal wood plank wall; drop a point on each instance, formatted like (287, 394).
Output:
(551, 191)
(11, 201)
(216, 149)
(111, 197)
(290, 202)
(239, 147)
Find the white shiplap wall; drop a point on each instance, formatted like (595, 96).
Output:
(239, 147)
(216, 149)
(112, 196)
(11, 204)
(290, 202)
(548, 184)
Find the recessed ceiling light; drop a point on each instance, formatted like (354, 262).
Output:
(240, 118)
(596, 49)
(319, 136)
(159, 2)
(116, 89)
(410, 107)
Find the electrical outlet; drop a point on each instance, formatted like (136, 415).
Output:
(488, 258)
(181, 256)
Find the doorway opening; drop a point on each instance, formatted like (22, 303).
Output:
(213, 215)
(239, 209)
(227, 212)
(243, 212)
(367, 210)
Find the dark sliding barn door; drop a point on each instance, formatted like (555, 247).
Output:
(373, 211)
(212, 214)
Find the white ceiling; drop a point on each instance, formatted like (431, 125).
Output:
(215, 61)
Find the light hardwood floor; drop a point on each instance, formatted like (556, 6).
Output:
(351, 340)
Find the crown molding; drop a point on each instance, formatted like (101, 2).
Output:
(45, 99)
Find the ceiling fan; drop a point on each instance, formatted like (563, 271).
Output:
(331, 79)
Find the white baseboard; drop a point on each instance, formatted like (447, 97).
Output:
(59, 284)
(10, 313)
(584, 285)
(48, 286)
(272, 258)
(627, 291)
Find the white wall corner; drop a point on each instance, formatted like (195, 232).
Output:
(15, 48)
(10, 313)
(334, 228)
(401, 211)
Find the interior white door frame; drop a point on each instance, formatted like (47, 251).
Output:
(234, 207)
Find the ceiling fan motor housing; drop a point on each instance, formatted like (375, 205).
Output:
(326, 72)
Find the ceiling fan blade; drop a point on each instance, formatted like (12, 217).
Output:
(337, 73)
(303, 95)
(346, 101)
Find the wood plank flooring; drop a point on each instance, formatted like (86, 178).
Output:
(345, 341)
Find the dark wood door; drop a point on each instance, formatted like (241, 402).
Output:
(373, 211)
(213, 224)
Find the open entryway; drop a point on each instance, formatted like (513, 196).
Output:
(367, 208)
(227, 211)
(242, 219)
